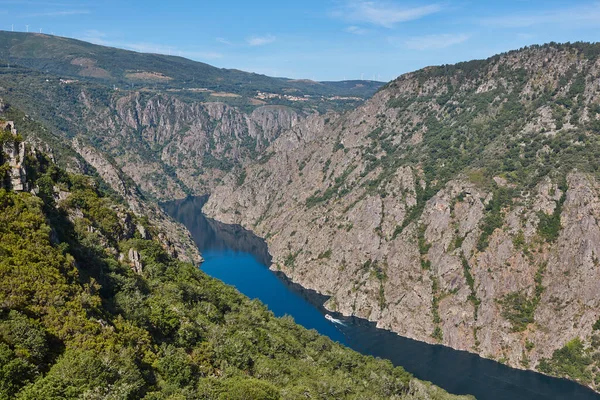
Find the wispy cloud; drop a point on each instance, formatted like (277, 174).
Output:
(356, 30)
(575, 16)
(102, 38)
(63, 13)
(223, 41)
(432, 42)
(202, 55)
(144, 47)
(95, 36)
(382, 13)
(260, 40)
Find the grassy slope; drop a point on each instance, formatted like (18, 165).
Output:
(64, 57)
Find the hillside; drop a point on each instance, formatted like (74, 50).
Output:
(459, 205)
(75, 59)
(171, 142)
(93, 305)
(174, 126)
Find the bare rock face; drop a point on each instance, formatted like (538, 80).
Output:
(171, 148)
(173, 236)
(136, 261)
(15, 151)
(446, 208)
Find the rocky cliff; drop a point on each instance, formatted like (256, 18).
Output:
(93, 304)
(172, 235)
(460, 205)
(14, 151)
(169, 147)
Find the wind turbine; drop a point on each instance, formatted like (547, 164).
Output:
(12, 28)
(40, 30)
(27, 27)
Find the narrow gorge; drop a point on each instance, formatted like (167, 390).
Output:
(458, 206)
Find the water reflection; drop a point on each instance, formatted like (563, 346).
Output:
(240, 258)
(210, 234)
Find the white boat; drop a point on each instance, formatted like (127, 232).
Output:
(334, 320)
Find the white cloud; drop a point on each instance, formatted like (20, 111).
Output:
(575, 17)
(356, 30)
(203, 55)
(94, 36)
(433, 42)
(223, 41)
(63, 13)
(383, 14)
(101, 38)
(95, 33)
(260, 40)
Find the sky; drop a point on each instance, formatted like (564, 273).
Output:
(313, 39)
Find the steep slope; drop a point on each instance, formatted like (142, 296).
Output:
(174, 126)
(459, 205)
(169, 147)
(92, 306)
(84, 159)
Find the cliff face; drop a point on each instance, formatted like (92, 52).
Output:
(172, 235)
(171, 148)
(460, 205)
(14, 151)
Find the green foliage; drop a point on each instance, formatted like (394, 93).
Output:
(518, 309)
(325, 254)
(494, 217)
(241, 178)
(75, 322)
(423, 195)
(337, 189)
(78, 374)
(438, 334)
(471, 282)
(570, 361)
(15, 372)
(549, 225)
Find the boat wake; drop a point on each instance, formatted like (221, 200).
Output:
(334, 320)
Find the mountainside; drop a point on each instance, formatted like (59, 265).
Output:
(94, 305)
(75, 59)
(459, 205)
(168, 146)
(174, 126)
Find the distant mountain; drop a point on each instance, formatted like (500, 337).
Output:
(174, 125)
(81, 60)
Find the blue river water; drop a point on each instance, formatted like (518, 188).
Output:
(239, 258)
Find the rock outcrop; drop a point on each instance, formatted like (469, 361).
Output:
(15, 151)
(173, 236)
(457, 206)
(136, 261)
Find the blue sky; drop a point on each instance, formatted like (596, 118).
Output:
(314, 39)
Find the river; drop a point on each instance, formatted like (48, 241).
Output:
(239, 258)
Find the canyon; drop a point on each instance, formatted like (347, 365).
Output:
(458, 205)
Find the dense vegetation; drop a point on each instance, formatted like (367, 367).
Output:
(77, 321)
